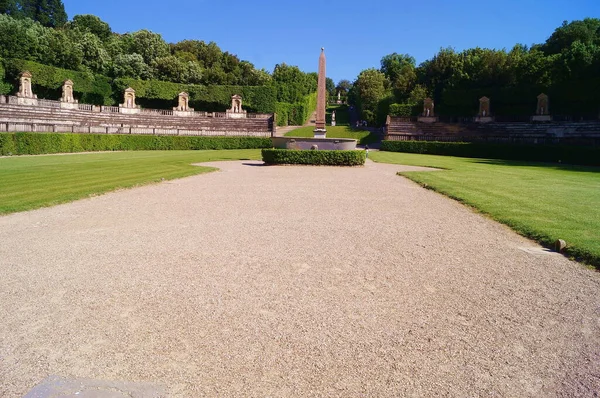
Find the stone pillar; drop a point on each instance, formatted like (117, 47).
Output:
(67, 101)
(236, 111)
(542, 113)
(128, 106)
(428, 115)
(484, 115)
(183, 106)
(25, 96)
(320, 131)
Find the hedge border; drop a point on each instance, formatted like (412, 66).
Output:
(568, 154)
(313, 157)
(47, 143)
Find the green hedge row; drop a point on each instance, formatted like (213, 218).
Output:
(313, 157)
(90, 88)
(296, 114)
(404, 110)
(260, 99)
(568, 154)
(4, 86)
(41, 143)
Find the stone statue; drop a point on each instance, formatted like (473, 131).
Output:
(428, 107)
(67, 95)
(333, 119)
(25, 90)
(236, 110)
(129, 99)
(484, 107)
(542, 104)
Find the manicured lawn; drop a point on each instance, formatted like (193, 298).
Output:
(363, 137)
(542, 201)
(30, 182)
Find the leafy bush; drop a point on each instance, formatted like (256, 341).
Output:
(40, 143)
(94, 89)
(313, 157)
(587, 156)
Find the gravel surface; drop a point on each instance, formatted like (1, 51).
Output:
(292, 281)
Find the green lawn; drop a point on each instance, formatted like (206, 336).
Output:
(29, 182)
(542, 201)
(363, 137)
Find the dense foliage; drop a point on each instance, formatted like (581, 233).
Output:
(47, 12)
(586, 156)
(313, 157)
(565, 67)
(38, 143)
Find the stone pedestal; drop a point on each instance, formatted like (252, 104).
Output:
(320, 133)
(427, 119)
(27, 101)
(129, 111)
(236, 115)
(183, 113)
(69, 105)
(541, 118)
(484, 119)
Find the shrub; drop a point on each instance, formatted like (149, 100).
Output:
(313, 157)
(40, 143)
(569, 154)
(295, 114)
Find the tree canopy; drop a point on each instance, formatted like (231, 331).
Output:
(565, 67)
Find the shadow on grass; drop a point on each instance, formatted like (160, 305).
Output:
(548, 165)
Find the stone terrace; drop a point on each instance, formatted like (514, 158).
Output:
(401, 129)
(47, 116)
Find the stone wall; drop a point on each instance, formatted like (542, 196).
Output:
(49, 116)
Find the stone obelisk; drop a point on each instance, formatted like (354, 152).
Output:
(320, 131)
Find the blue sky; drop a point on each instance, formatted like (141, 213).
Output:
(355, 34)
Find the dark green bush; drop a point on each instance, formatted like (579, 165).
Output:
(40, 143)
(569, 154)
(313, 157)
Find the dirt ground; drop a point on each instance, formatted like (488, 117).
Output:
(292, 281)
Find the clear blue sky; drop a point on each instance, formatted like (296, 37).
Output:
(355, 34)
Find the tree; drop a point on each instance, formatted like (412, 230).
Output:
(147, 44)
(586, 32)
(330, 87)
(131, 65)
(400, 71)
(344, 86)
(50, 13)
(93, 25)
(370, 89)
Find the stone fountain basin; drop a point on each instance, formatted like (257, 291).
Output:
(332, 144)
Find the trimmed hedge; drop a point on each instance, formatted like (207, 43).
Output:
(295, 114)
(404, 110)
(569, 154)
(41, 143)
(91, 88)
(4, 86)
(313, 157)
(161, 94)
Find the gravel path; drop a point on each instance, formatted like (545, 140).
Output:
(292, 281)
